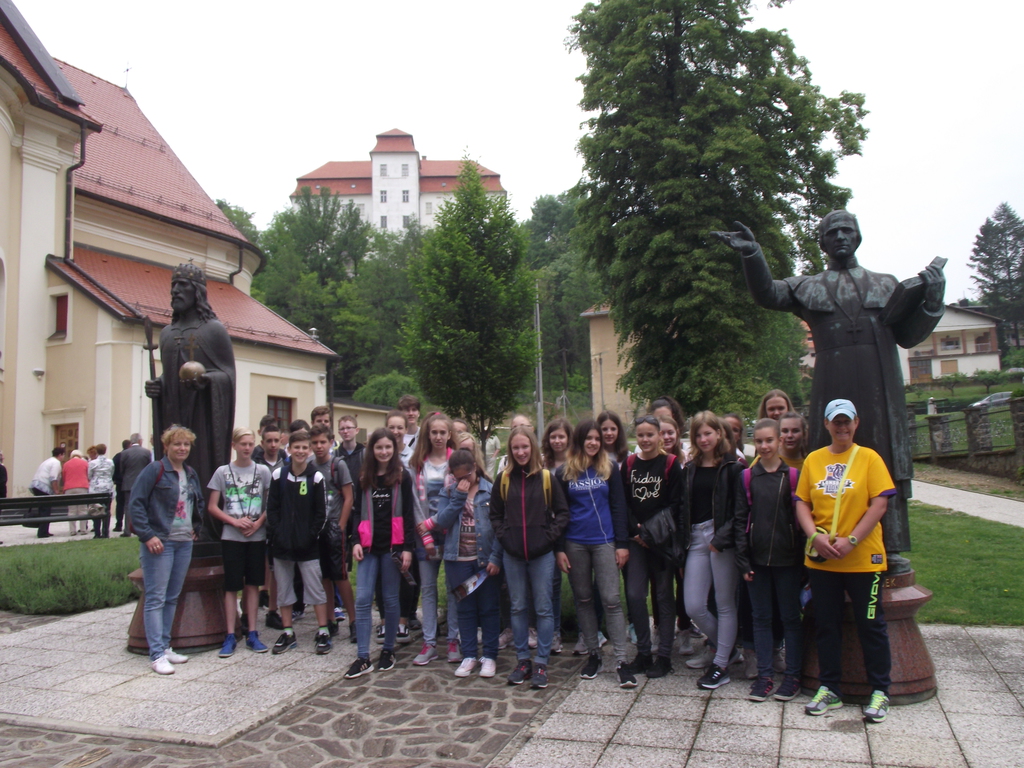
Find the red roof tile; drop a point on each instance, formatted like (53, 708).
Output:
(394, 141)
(130, 163)
(134, 289)
(38, 91)
(339, 177)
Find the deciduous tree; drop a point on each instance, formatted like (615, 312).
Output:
(699, 120)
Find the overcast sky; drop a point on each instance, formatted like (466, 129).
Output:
(253, 94)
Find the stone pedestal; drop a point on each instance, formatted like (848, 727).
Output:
(913, 674)
(199, 621)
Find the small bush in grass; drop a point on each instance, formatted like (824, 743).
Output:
(68, 577)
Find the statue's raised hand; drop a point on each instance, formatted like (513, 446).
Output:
(934, 287)
(742, 240)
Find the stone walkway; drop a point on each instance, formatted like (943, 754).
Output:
(982, 505)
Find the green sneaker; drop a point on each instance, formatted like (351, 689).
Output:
(823, 701)
(878, 708)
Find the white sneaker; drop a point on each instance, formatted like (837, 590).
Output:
(685, 643)
(162, 666)
(701, 662)
(466, 667)
(174, 658)
(533, 638)
(601, 639)
(556, 643)
(580, 649)
(505, 638)
(488, 667)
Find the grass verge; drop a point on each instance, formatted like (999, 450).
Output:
(70, 577)
(973, 567)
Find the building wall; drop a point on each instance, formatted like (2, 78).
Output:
(962, 340)
(394, 183)
(607, 370)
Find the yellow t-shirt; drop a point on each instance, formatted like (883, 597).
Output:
(867, 478)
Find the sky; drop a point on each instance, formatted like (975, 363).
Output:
(251, 95)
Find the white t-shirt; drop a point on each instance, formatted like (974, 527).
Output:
(47, 474)
(243, 492)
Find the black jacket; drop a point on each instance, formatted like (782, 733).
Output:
(774, 537)
(523, 523)
(723, 503)
(295, 519)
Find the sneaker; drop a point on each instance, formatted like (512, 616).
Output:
(642, 663)
(660, 667)
(466, 667)
(522, 672)
(404, 635)
(685, 644)
(601, 639)
(359, 667)
(386, 661)
(454, 654)
(580, 649)
(823, 701)
(162, 666)
(175, 658)
(556, 643)
(533, 638)
(703, 661)
(779, 660)
(592, 667)
(540, 676)
(425, 656)
(505, 638)
(788, 689)
(254, 644)
(488, 667)
(626, 677)
(274, 620)
(761, 689)
(286, 642)
(228, 649)
(750, 665)
(415, 625)
(694, 632)
(322, 644)
(380, 632)
(296, 615)
(735, 657)
(877, 709)
(339, 613)
(332, 628)
(631, 632)
(715, 677)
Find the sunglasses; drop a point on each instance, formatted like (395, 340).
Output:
(647, 420)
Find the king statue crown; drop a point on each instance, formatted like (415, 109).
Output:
(189, 271)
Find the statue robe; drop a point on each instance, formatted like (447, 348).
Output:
(855, 359)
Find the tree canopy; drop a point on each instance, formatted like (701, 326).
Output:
(698, 121)
(998, 262)
(469, 340)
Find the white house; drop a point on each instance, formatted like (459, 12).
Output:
(396, 185)
(964, 341)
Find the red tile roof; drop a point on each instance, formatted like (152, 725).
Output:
(36, 88)
(130, 164)
(394, 141)
(132, 290)
(435, 176)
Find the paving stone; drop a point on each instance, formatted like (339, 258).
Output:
(904, 749)
(573, 727)
(852, 747)
(992, 728)
(669, 707)
(701, 759)
(552, 753)
(848, 719)
(748, 740)
(984, 703)
(990, 754)
(627, 756)
(798, 762)
(588, 702)
(655, 732)
(744, 712)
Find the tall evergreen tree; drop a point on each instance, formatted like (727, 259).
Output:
(469, 340)
(700, 121)
(998, 260)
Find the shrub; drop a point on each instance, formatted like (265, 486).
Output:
(386, 389)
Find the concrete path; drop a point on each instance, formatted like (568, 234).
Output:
(978, 504)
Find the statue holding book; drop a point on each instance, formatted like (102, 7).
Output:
(856, 317)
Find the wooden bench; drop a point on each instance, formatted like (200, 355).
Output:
(34, 510)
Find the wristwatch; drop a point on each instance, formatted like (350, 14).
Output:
(853, 539)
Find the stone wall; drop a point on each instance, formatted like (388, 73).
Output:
(966, 441)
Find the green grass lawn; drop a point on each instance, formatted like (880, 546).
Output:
(974, 567)
(68, 577)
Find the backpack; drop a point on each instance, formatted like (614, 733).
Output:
(669, 461)
(746, 483)
(547, 486)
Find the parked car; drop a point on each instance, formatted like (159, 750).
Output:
(996, 398)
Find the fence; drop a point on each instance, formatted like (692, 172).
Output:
(988, 440)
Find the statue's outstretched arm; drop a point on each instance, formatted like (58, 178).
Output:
(768, 293)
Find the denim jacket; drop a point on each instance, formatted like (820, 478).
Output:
(154, 502)
(449, 512)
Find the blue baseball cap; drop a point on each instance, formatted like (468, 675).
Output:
(837, 407)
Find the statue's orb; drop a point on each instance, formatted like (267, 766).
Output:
(191, 370)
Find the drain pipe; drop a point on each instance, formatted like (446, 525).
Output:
(69, 192)
(241, 255)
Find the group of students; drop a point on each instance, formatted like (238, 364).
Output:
(577, 502)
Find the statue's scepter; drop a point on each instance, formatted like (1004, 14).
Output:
(158, 448)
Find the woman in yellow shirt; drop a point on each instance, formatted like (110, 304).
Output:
(850, 555)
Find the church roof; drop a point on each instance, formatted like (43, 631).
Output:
(129, 163)
(133, 290)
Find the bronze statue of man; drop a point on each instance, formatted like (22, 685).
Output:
(197, 386)
(855, 347)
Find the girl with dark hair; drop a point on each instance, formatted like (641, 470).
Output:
(668, 406)
(555, 444)
(595, 544)
(613, 436)
(383, 512)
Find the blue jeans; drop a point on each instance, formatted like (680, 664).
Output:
(163, 576)
(429, 570)
(479, 609)
(537, 573)
(787, 581)
(390, 577)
